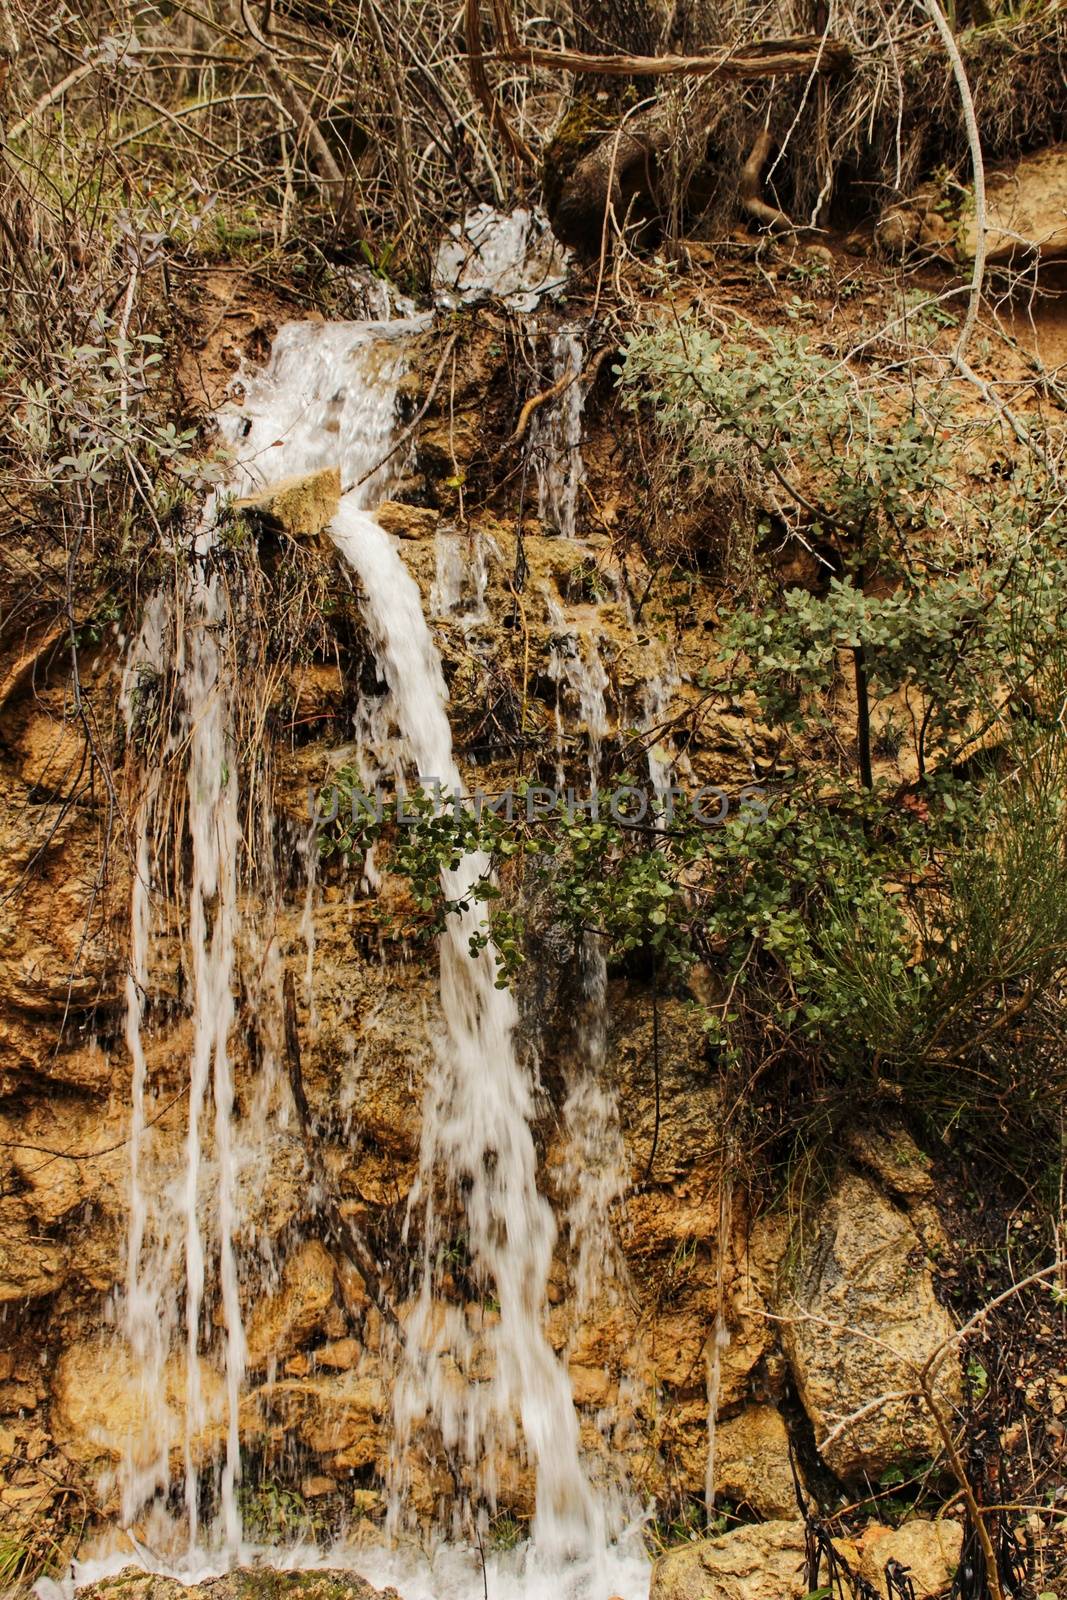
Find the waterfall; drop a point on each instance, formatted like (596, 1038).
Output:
(662, 762)
(168, 1217)
(477, 1113)
(147, 1325)
(461, 578)
(327, 398)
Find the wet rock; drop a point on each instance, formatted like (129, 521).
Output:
(340, 1354)
(246, 1583)
(1027, 208)
(53, 945)
(101, 1411)
(752, 1462)
(31, 1266)
(862, 1318)
(53, 753)
(929, 1550)
(759, 1561)
(301, 507)
(407, 522)
(284, 1321)
(54, 1187)
(336, 1417)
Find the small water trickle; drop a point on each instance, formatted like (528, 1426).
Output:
(214, 831)
(145, 1321)
(460, 578)
(595, 1170)
(309, 852)
(718, 1340)
(581, 680)
(179, 1223)
(556, 437)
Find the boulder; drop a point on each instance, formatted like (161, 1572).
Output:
(861, 1319)
(287, 1319)
(340, 1354)
(301, 506)
(53, 753)
(929, 1550)
(1027, 206)
(758, 1561)
(335, 1417)
(752, 1462)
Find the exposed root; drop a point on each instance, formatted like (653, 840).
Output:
(752, 201)
(623, 161)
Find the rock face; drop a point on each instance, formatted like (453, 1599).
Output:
(100, 1411)
(863, 1317)
(765, 1561)
(315, 1403)
(246, 1583)
(407, 522)
(1027, 210)
(761, 1561)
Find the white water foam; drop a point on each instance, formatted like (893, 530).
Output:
(444, 1571)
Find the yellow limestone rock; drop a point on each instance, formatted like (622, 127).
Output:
(861, 1320)
(301, 506)
(102, 1411)
(1027, 208)
(334, 1416)
(407, 522)
(752, 1462)
(284, 1321)
(30, 1266)
(758, 1561)
(243, 1583)
(929, 1550)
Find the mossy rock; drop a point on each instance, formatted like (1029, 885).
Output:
(587, 120)
(246, 1583)
(300, 506)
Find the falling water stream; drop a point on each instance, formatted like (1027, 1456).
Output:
(556, 437)
(328, 399)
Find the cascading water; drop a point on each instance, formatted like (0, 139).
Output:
(461, 577)
(147, 1326)
(663, 762)
(328, 398)
(212, 784)
(476, 1126)
(595, 1168)
(476, 1123)
(167, 1216)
